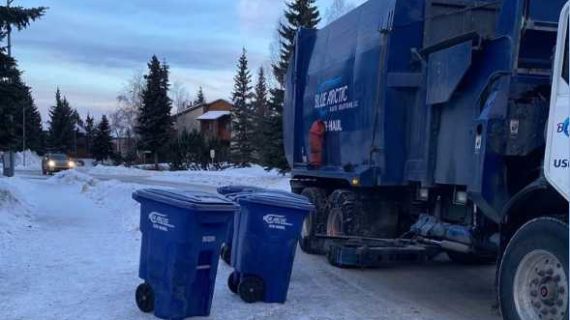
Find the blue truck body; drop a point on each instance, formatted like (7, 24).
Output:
(425, 93)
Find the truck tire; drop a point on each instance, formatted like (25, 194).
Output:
(533, 275)
(343, 213)
(307, 240)
(471, 259)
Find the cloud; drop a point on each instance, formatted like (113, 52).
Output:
(259, 14)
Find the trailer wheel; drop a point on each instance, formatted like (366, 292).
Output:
(533, 276)
(307, 241)
(344, 208)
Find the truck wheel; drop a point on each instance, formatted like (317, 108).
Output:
(471, 258)
(251, 289)
(344, 207)
(533, 276)
(307, 241)
(145, 297)
(226, 254)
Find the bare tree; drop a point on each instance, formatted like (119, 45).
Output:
(338, 9)
(180, 96)
(129, 101)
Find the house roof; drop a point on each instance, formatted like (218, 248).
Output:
(201, 105)
(213, 115)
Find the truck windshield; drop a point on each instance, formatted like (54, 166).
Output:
(59, 157)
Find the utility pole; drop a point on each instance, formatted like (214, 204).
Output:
(8, 3)
(9, 38)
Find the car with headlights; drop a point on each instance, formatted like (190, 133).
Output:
(55, 162)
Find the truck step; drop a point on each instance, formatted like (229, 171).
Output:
(375, 254)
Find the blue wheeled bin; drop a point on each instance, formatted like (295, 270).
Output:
(231, 192)
(182, 235)
(264, 244)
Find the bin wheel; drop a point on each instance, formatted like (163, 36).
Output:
(233, 282)
(145, 297)
(251, 289)
(226, 254)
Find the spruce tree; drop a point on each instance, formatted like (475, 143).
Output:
(154, 122)
(103, 142)
(62, 125)
(260, 113)
(299, 14)
(273, 154)
(89, 133)
(241, 143)
(33, 125)
(200, 97)
(13, 92)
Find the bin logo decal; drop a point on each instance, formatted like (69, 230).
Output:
(160, 221)
(275, 221)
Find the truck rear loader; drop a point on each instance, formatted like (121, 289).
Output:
(440, 123)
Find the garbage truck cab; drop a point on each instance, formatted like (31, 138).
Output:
(533, 270)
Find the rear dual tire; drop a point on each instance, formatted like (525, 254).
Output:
(308, 241)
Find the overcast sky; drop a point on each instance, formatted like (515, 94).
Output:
(90, 48)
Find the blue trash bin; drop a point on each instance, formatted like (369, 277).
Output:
(182, 235)
(233, 193)
(267, 228)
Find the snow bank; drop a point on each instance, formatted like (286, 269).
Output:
(70, 177)
(116, 197)
(255, 175)
(118, 171)
(14, 209)
(33, 160)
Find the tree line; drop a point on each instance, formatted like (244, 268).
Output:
(144, 116)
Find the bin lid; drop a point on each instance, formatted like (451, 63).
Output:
(225, 190)
(196, 200)
(277, 199)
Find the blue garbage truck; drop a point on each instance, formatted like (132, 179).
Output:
(425, 122)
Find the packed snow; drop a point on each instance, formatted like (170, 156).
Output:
(254, 175)
(33, 160)
(69, 249)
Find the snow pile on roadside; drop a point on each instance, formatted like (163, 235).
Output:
(255, 175)
(33, 160)
(116, 197)
(70, 177)
(14, 209)
(118, 171)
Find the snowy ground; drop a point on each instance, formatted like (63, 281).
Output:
(69, 249)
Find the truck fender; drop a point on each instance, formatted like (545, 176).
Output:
(516, 213)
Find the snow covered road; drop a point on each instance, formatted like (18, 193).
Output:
(77, 258)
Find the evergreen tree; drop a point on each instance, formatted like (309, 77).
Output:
(260, 112)
(62, 125)
(13, 92)
(200, 97)
(241, 143)
(273, 154)
(89, 133)
(154, 121)
(299, 14)
(103, 142)
(34, 129)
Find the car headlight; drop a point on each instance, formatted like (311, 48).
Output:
(51, 163)
(71, 164)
